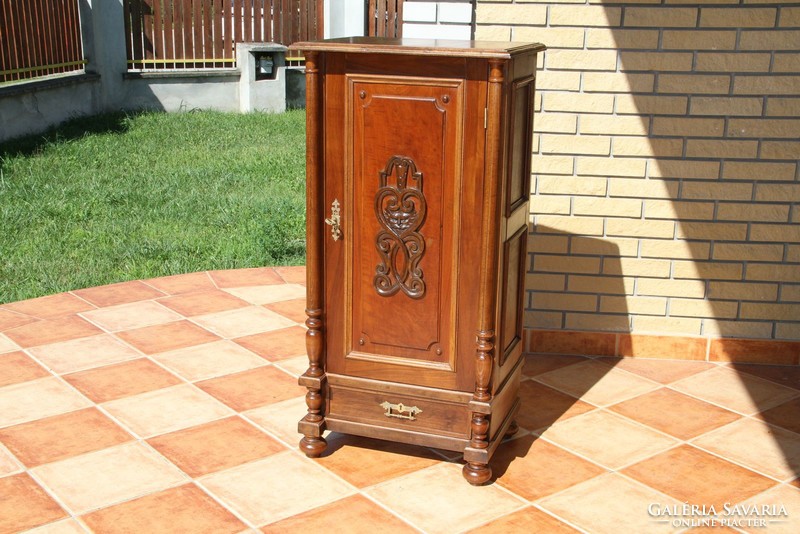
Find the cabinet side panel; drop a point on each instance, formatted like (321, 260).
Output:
(521, 139)
(512, 293)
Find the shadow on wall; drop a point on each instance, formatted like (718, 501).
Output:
(670, 133)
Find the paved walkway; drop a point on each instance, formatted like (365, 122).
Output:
(171, 405)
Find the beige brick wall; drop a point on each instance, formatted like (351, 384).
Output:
(666, 193)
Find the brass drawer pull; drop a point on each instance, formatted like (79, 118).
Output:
(397, 410)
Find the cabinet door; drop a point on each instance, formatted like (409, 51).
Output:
(402, 196)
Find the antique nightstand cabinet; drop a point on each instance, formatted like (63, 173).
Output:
(418, 178)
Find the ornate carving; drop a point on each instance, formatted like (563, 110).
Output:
(400, 208)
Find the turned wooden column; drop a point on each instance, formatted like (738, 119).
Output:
(475, 472)
(313, 424)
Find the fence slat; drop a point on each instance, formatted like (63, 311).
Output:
(148, 38)
(158, 26)
(227, 30)
(186, 30)
(258, 20)
(169, 31)
(216, 32)
(248, 21)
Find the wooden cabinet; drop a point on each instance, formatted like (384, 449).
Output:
(418, 178)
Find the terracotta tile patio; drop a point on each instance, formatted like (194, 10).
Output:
(171, 405)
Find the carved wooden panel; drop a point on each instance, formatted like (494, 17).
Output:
(400, 207)
(404, 205)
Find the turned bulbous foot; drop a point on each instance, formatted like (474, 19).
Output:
(477, 474)
(513, 428)
(313, 447)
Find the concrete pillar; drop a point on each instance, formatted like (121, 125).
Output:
(103, 26)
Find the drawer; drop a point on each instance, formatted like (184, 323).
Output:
(404, 412)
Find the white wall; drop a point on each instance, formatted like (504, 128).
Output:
(344, 18)
(438, 20)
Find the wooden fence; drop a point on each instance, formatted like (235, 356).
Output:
(385, 18)
(181, 34)
(38, 38)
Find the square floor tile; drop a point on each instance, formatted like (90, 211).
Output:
(533, 468)
(761, 447)
(183, 509)
(85, 353)
(257, 276)
(361, 516)
(528, 519)
(536, 364)
(293, 309)
(166, 410)
(36, 399)
(109, 476)
(597, 383)
(11, 319)
(786, 415)
(785, 375)
(62, 436)
(265, 294)
(610, 504)
(276, 344)
(253, 388)
(276, 487)
(663, 371)
(120, 293)
(598, 436)
(209, 360)
(294, 366)
(281, 418)
(211, 301)
(8, 463)
(243, 322)
(779, 497)
(543, 406)
(6, 345)
(50, 306)
(739, 392)
(295, 274)
(438, 499)
(65, 526)
(182, 283)
(51, 331)
(694, 476)
(365, 462)
(130, 316)
(25, 504)
(112, 382)
(215, 446)
(674, 413)
(16, 367)
(166, 337)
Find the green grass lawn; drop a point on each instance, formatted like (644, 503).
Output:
(121, 197)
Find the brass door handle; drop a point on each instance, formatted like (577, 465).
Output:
(335, 220)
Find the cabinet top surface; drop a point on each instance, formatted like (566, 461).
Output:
(419, 47)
